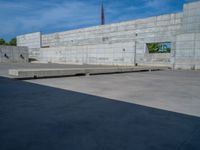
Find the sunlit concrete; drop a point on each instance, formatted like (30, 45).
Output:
(56, 72)
(176, 91)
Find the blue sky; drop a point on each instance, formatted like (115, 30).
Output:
(25, 16)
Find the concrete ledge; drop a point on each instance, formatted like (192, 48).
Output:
(43, 73)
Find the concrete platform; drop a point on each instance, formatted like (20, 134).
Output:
(4, 67)
(42, 73)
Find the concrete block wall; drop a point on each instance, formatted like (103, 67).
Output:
(191, 17)
(95, 44)
(155, 29)
(161, 28)
(34, 53)
(188, 51)
(105, 54)
(197, 51)
(31, 40)
(13, 54)
(91, 54)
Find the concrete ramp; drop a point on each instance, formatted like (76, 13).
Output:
(44, 73)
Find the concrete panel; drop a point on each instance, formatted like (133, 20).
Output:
(187, 51)
(32, 40)
(13, 54)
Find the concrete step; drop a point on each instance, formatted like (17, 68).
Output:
(43, 73)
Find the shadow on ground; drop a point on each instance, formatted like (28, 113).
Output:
(35, 117)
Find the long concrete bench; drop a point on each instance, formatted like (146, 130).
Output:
(42, 73)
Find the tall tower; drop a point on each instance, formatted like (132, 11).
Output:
(102, 13)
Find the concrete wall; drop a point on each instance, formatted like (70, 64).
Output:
(188, 42)
(188, 51)
(191, 18)
(104, 42)
(104, 54)
(32, 41)
(161, 28)
(91, 54)
(119, 43)
(34, 53)
(13, 54)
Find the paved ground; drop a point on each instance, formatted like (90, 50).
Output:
(34, 117)
(56, 114)
(177, 91)
(4, 67)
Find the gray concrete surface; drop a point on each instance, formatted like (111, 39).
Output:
(37, 117)
(176, 91)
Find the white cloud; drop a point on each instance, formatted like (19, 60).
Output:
(65, 12)
(53, 15)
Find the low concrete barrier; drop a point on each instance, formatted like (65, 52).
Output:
(42, 73)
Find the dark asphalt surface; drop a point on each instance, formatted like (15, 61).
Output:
(35, 117)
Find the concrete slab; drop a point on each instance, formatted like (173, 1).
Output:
(41, 73)
(4, 67)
